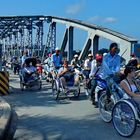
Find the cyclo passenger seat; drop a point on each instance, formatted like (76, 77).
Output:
(70, 82)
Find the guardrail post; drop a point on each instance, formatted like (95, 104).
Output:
(4, 82)
(0, 57)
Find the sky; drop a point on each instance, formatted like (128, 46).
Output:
(118, 15)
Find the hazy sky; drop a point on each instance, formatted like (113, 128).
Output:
(119, 15)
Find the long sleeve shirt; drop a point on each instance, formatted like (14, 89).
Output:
(111, 64)
(56, 59)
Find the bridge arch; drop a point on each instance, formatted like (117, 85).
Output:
(94, 33)
(17, 32)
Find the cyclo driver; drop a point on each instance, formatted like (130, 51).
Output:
(56, 59)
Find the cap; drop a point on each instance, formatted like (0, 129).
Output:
(104, 54)
(99, 58)
(57, 49)
(90, 55)
(75, 55)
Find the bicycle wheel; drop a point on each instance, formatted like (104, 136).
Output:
(105, 107)
(78, 91)
(55, 90)
(123, 118)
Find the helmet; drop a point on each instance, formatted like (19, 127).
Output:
(57, 49)
(104, 54)
(90, 55)
(98, 57)
(75, 55)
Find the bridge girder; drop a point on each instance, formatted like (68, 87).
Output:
(125, 42)
(9, 24)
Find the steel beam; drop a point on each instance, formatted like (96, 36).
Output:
(95, 45)
(64, 43)
(85, 49)
(70, 43)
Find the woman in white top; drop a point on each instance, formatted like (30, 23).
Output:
(129, 84)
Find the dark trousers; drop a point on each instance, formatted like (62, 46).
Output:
(93, 86)
(86, 73)
(16, 69)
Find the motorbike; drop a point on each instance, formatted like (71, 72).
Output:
(39, 68)
(100, 88)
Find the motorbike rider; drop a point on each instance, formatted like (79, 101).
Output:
(111, 65)
(95, 70)
(111, 61)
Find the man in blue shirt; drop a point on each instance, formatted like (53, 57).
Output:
(111, 61)
(57, 59)
(24, 57)
(110, 65)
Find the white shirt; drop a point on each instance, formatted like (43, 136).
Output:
(93, 68)
(87, 64)
(29, 69)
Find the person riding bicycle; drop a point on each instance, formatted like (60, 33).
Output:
(129, 84)
(56, 59)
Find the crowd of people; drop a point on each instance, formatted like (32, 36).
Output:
(100, 65)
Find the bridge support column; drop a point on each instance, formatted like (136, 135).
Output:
(95, 44)
(70, 44)
(85, 50)
(64, 43)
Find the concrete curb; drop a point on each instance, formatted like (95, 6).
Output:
(8, 119)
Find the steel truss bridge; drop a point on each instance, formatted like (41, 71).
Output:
(18, 33)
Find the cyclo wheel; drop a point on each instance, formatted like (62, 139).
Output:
(105, 107)
(124, 119)
(78, 91)
(55, 90)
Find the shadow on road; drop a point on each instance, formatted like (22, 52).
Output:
(58, 128)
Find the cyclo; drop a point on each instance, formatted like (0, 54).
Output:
(119, 108)
(62, 87)
(29, 76)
